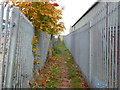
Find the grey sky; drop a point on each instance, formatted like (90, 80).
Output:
(74, 9)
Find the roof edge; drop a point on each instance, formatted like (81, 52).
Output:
(87, 11)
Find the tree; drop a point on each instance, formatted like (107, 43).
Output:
(44, 16)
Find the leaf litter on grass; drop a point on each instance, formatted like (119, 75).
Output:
(49, 75)
(60, 72)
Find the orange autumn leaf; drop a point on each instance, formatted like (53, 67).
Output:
(77, 84)
(55, 4)
(43, 81)
(42, 75)
(30, 2)
(41, 27)
(35, 16)
(48, 79)
(10, 19)
(30, 82)
(26, 2)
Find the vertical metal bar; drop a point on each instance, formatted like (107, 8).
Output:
(1, 23)
(90, 53)
(105, 42)
(119, 44)
(21, 59)
(95, 51)
(101, 39)
(22, 63)
(100, 42)
(8, 49)
(100, 50)
(116, 40)
(16, 69)
(102, 46)
(19, 82)
(110, 49)
(97, 47)
(13, 50)
(113, 22)
(98, 31)
(1, 29)
(101, 66)
(4, 44)
(17, 77)
(107, 39)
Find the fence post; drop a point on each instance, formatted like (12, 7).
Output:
(4, 44)
(13, 42)
(119, 46)
(90, 53)
(1, 25)
(1, 21)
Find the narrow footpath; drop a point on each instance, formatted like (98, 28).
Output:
(60, 71)
(64, 76)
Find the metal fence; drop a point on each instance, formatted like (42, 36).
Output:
(95, 47)
(16, 57)
(43, 47)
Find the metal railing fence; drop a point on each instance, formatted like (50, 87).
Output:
(95, 47)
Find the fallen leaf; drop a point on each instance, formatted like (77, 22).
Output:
(42, 75)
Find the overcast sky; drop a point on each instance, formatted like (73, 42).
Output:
(74, 9)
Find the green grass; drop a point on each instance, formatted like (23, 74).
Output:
(57, 49)
(72, 72)
(49, 76)
(53, 66)
(75, 75)
(54, 82)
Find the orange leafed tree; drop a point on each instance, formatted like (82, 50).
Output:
(44, 16)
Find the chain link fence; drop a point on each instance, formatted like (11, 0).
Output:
(43, 46)
(16, 57)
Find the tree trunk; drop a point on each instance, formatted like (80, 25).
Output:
(50, 46)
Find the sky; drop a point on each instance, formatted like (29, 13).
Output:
(73, 10)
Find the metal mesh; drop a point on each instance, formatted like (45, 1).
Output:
(43, 46)
(16, 57)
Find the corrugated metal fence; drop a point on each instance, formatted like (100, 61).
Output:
(95, 47)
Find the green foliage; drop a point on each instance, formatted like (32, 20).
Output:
(57, 48)
(77, 81)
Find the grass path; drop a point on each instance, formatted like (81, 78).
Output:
(60, 71)
(64, 76)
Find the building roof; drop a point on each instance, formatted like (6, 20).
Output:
(87, 11)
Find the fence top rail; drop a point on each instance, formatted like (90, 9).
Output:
(22, 15)
(78, 29)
